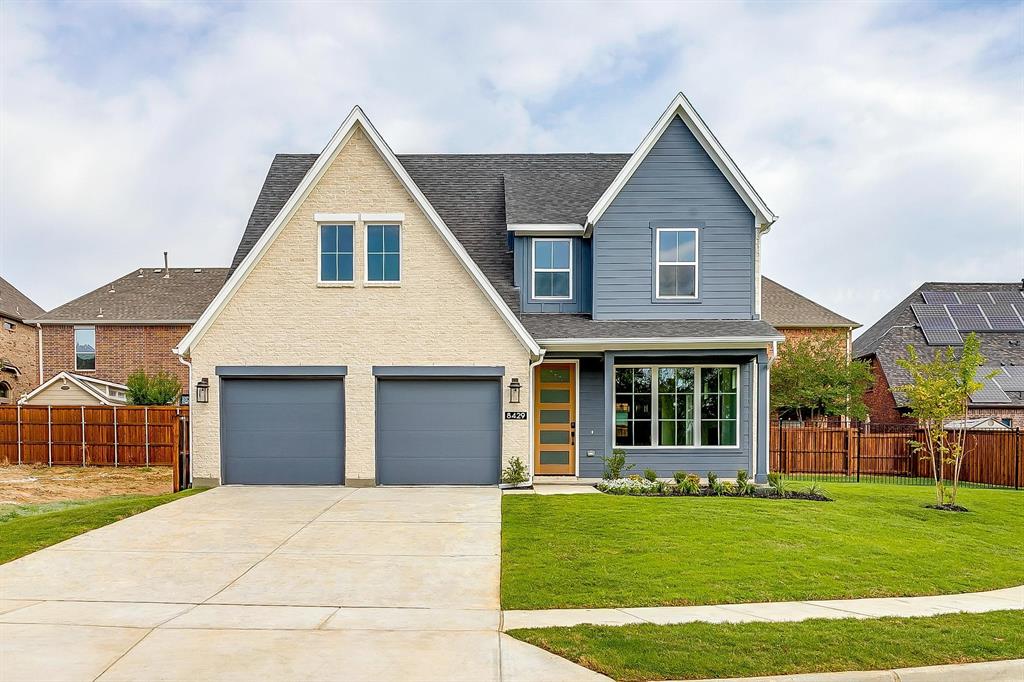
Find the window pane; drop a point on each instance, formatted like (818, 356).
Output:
(642, 406)
(554, 375)
(328, 239)
(85, 340)
(729, 406)
(623, 432)
(667, 433)
(666, 406)
(623, 380)
(709, 379)
(709, 406)
(328, 267)
(554, 395)
(85, 361)
(560, 254)
(391, 267)
(554, 437)
(375, 239)
(684, 406)
(560, 284)
(554, 457)
(543, 284)
(728, 433)
(641, 433)
(727, 379)
(709, 433)
(375, 267)
(345, 239)
(345, 267)
(554, 416)
(542, 254)
(676, 280)
(391, 238)
(642, 380)
(666, 380)
(684, 380)
(684, 433)
(667, 246)
(686, 246)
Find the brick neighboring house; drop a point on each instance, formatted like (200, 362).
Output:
(995, 311)
(128, 324)
(19, 344)
(797, 316)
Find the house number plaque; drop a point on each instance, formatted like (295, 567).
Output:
(515, 415)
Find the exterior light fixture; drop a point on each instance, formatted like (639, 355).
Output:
(203, 391)
(513, 390)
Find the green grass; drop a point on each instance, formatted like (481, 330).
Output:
(702, 650)
(562, 551)
(27, 528)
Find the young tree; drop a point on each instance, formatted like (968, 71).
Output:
(812, 378)
(159, 389)
(940, 391)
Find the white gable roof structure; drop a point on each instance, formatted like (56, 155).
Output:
(681, 107)
(312, 177)
(105, 392)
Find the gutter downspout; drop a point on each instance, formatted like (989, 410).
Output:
(529, 422)
(39, 331)
(191, 450)
(768, 411)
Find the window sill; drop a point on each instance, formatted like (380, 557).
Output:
(677, 447)
(335, 285)
(382, 284)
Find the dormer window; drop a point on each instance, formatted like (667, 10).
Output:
(675, 263)
(552, 269)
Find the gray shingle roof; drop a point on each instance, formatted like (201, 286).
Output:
(553, 326)
(783, 307)
(144, 295)
(561, 194)
(888, 338)
(16, 305)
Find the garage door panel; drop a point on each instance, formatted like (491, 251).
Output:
(283, 431)
(438, 431)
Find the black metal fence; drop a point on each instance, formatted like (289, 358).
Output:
(884, 453)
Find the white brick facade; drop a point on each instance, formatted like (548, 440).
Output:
(279, 316)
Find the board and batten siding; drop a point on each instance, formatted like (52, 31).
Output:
(594, 432)
(677, 185)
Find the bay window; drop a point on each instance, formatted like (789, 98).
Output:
(676, 406)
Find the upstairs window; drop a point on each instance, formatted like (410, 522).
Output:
(676, 263)
(336, 253)
(552, 269)
(85, 349)
(383, 253)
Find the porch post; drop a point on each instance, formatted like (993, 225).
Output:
(609, 402)
(763, 410)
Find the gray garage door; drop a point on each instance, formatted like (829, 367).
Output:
(283, 431)
(438, 431)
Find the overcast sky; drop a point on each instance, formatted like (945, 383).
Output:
(888, 137)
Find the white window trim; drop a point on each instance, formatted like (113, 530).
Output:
(655, 431)
(74, 347)
(366, 254)
(320, 281)
(658, 263)
(534, 270)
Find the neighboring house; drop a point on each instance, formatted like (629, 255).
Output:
(129, 324)
(66, 388)
(424, 318)
(938, 315)
(19, 344)
(797, 316)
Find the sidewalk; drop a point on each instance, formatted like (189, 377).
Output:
(976, 602)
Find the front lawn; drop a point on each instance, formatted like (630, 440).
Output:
(27, 528)
(561, 551)
(701, 650)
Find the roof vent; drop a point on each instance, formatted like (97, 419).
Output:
(167, 268)
(140, 272)
(100, 313)
(197, 270)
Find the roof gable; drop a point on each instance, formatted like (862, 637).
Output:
(356, 119)
(681, 108)
(783, 307)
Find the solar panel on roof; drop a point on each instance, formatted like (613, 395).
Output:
(943, 337)
(1006, 296)
(939, 297)
(1010, 381)
(974, 297)
(989, 392)
(936, 324)
(1003, 317)
(968, 317)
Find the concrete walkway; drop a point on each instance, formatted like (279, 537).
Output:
(778, 612)
(274, 583)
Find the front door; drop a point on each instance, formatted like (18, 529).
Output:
(555, 419)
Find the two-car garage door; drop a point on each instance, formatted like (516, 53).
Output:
(429, 430)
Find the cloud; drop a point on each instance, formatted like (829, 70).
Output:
(889, 138)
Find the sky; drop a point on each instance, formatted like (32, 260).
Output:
(888, 137)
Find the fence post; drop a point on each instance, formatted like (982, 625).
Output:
(859, 429)
(1016, 461)
(114, 408)
(49, 435)
(145, 420)
(18, 418)
(83, 435)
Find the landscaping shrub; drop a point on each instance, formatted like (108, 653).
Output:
(616, 464)
(515, 472)
(651, 475)
(630, 486)
(744, 487)
(778, 484)
(679, 477)
(690, 485)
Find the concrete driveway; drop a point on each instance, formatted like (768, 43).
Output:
(285, 583)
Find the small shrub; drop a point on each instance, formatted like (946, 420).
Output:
(634, 485)
(815, 491)
(690, 485)
(616, 464)
(777, 483)
(159, 389)
(715, 487)
(679, 477)
(515, 472)
(726, 488)
(651, 475)
(744, 487)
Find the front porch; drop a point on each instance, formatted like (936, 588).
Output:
(696, 410)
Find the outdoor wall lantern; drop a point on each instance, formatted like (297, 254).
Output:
(203, 391)
(513, 390)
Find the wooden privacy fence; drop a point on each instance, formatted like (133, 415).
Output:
(883, 451)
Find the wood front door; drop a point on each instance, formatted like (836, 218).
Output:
(554, 426)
